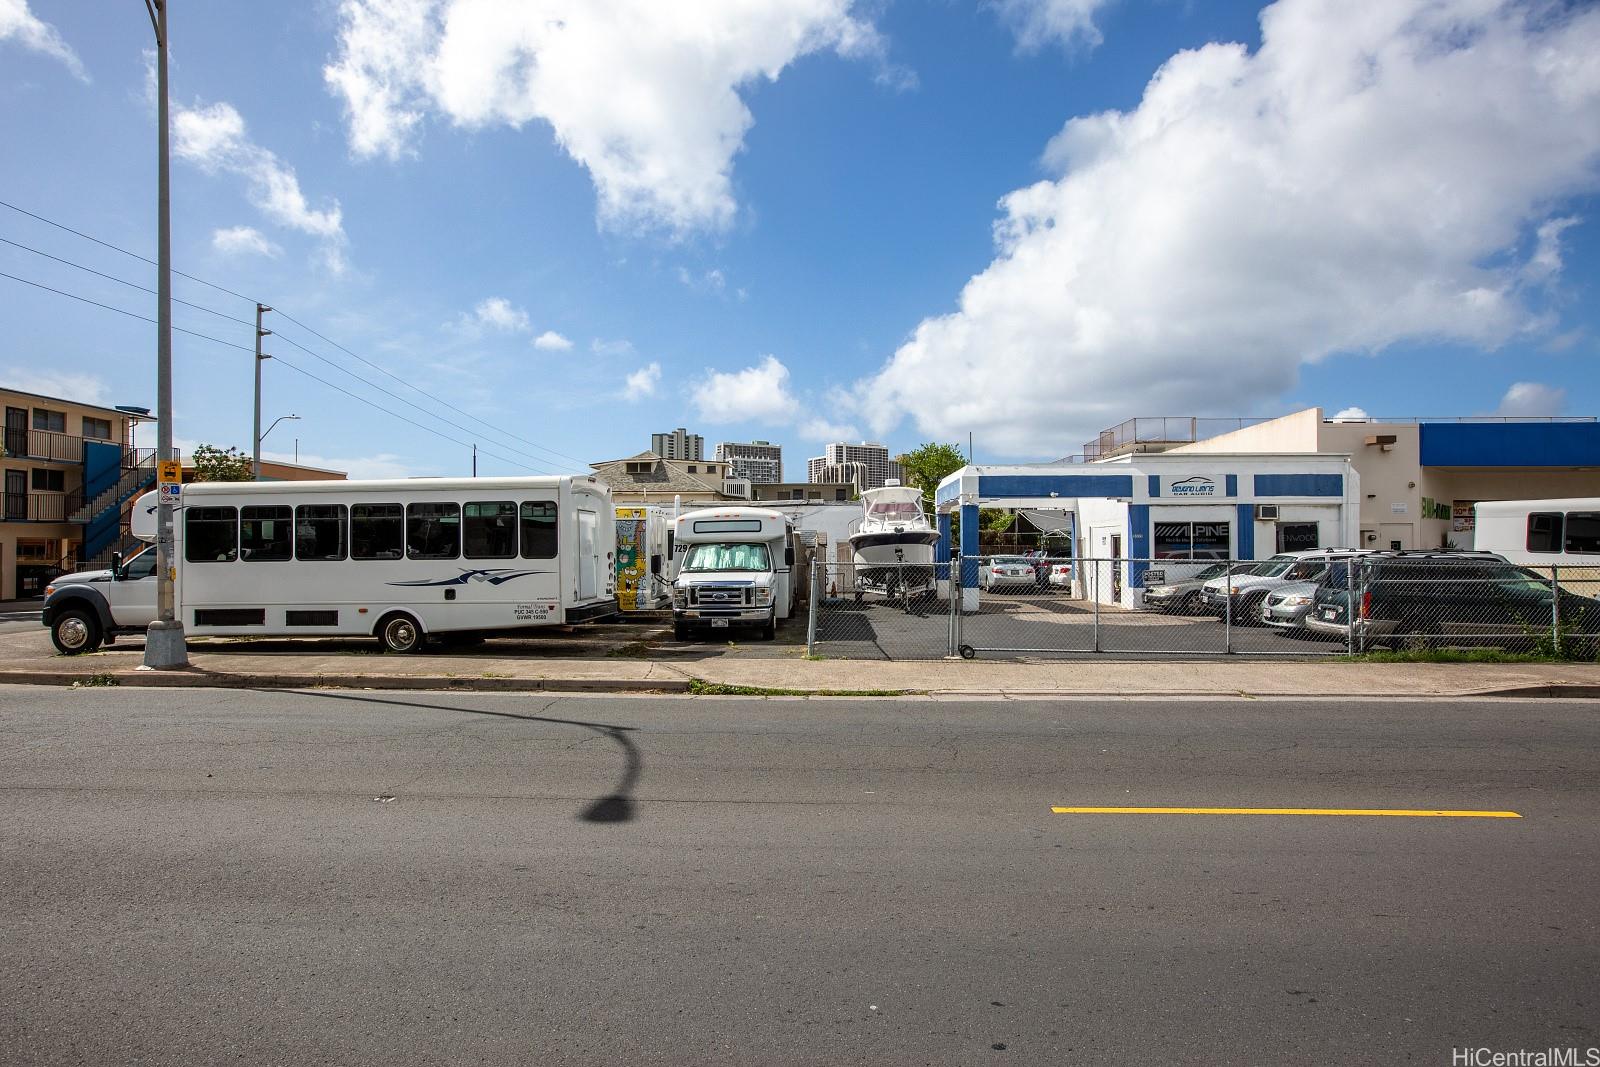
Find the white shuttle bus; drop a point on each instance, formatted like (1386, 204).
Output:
(400, 560)
(1540, 533)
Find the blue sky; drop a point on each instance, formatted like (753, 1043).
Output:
(804, 219)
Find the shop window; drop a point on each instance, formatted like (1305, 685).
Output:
(1583, 532)
(266, 533)
(35, 552)
(45, 419)
(377, 531)
(1190, 540)
(1544, 531)
(489, 531)
(210, 535)
(538, 524)
(1297, 536)
(47, 481)
(319, 532)
(433, 531)
(99, 429)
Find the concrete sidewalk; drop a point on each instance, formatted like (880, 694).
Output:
(286, 665)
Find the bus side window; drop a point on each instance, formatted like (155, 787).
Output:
(538, 529)
(210, 535)
(265, 534)
(319, 532)
(1583, 532)
(377, 531)
(489, 530)
(1544, 531)
(433, 531)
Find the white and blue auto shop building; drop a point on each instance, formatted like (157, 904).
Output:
(1134, 513)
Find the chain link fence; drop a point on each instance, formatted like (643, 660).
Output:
(1021, 606)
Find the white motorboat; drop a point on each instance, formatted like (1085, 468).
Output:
(893, 545)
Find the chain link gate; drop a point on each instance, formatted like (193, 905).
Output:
(1027, 606)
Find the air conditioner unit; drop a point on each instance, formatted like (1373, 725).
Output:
(1266, 512)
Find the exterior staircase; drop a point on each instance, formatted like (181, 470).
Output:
(100, 506)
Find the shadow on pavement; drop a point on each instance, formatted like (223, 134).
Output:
(613, 807)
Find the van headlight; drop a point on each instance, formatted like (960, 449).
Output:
(680, 598)
(763, 596)
(1162, 590)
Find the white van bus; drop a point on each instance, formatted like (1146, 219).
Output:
(401, 560)
(1540, 533)
(734, 567)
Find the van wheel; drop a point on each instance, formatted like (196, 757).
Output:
(75, 631)
(769, 630)
(400, 633)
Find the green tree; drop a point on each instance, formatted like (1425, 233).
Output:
(929, 465)
(213, 464)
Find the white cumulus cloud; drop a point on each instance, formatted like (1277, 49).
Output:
(642, 382)
(19, 24)
(243, 240)
(84, 388)
(498, 313)
(1529, 399)
(758, 393)
(645, 95)
(213, 138)
(1040, 22)
(1365, 177)
(1351, 414)
(550, 341)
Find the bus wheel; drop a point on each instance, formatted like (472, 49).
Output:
(400, 633)
(75, 631)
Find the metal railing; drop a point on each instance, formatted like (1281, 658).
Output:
(35, 506)
(45, 445)
(1019, 607)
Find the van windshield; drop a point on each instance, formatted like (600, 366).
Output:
(727, 557)
(1271, 568)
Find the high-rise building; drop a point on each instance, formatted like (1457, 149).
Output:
(866, 465)
(761, 462)
(679, 444)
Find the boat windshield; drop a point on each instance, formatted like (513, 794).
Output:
(727, 557)
(895, 511)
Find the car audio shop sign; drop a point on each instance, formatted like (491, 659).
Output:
(1191, 487)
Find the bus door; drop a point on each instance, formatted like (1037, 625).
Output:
(588, 555)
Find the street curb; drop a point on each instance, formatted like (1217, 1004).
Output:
(191, 679)
(1564, 690)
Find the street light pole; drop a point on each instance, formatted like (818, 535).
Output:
(260, 333)
(164, 646)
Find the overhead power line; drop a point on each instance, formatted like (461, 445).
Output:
(279, 311)
(286, 363)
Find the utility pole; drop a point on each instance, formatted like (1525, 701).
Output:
(164, 647)
(474, 461)
(261, 309)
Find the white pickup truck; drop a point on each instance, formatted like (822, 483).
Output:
(90, 608)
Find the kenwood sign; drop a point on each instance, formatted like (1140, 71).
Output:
(1195, 486)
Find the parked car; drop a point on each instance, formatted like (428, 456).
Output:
(1181, 596)
(1006, 572)
(1059, 575)
(1286, 607)
(1045, 564)
(1445, 597)
(1248, 591)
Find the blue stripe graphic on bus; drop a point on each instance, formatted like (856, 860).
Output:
(493, 577)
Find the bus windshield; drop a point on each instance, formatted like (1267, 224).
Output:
(727, 557)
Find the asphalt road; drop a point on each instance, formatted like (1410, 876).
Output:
(198, 877)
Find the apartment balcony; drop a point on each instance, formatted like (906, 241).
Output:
(45, 445)
(36, 507)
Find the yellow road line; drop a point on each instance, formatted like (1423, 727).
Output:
(1425, 813)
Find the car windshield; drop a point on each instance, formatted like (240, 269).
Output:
(1270, 569)
(1011, 561)
(1216, 570)
(727, 557)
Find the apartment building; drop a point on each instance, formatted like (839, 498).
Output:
(758, 462)
(70, 473)
(865, 466)
(679, 444)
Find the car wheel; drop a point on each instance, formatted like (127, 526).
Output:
(400, 633)
(75, 631)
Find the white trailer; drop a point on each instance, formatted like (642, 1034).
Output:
(400, 560)
(735, 567)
